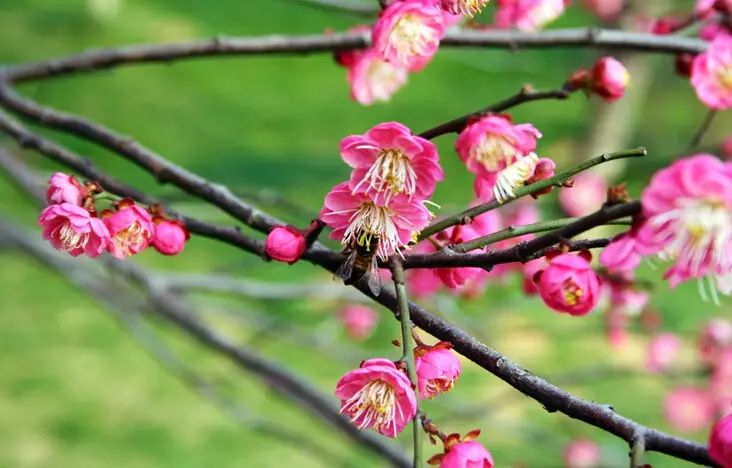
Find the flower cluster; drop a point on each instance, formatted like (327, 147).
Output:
(72, 223)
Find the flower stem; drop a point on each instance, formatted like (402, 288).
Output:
(466, 217)
(407, 358)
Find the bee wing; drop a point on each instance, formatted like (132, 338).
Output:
(345, 269)
(374, 278)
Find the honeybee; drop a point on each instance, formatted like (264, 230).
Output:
(360, 263)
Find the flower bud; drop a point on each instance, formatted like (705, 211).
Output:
(581, 453)
(688, 409)
(170, 236)
(437, 369)
(465, 453)
(285, 244)
(569, 284)
(609, 79)
(359, 321)
(64, 188)
(662, 351)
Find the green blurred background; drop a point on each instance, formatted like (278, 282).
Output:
(75, 389)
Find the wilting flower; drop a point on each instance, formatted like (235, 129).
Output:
(528, 15)
(688, 220)
(437, 369)
(587, 194)
(688, 409)
(389, 160)
(372, 79)
(170, 236)
(662, 352)
(606, 10)
(359, 220)
(71, 228)
(359, 320)
(714, 338)
(64, 188)
(463, 454)
(377, 395)
(463, 7)
(711, 74)
(582, 453)
(569, 284)
(285, 244)
(408, 33)
(131, 228)
(720, 442)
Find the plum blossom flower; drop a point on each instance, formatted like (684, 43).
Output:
(621, 254)
(688, 409)
(720, 442)
(587, 194)
(285, 244)
(71, 228)
(377, 395)
(389, 160)
(582, 453)
(714, 338)
(688, 220)
(713, 30)
(359, 320)
(711, 74)
(359, 220)
(529, 270)
(662, 352)
(606, 10)
(170, 236)
(64, 188)
(465, 453)
(463, 7)
(437, 369)
(408, 33)
(130, 227)
(569, 284)
(372, 79)
(528, 15)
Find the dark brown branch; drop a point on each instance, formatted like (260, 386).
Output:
(102, 59)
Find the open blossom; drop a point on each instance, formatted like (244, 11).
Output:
(711, 74)
(64, 188)
(437, 369)
(714, 338)
(359, 220)
(71, 228)
(606, 10)
(170, 236)
(587, 194)
(377, 395)
(528, 15)
(372, 79)
(131, 229)
(688, 409)
(463, 7)
(569, 284)
(359, 320)
(408, 33)
(390, 160)
(688, 219)
(662, 352)
(285, 244)
(720, 442)
(582, 453)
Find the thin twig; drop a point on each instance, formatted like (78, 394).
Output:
(703, 128)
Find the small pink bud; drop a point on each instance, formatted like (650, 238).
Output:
(606, 10)
(466, 454)
(662, 352)
(609, 79)
(569, 284)
(581, 453)
(285, 244)
(715, 337)
(131, 228)
(688, 409)
(683, 64)
(170, 236)
(71, 228)
(359, 321)
(437, 369)
(64, 188)
(727, 148)
(585, 196)
(720, 442)
(545, 169)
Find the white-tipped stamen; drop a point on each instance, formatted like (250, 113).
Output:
(130, 239)
(370, 222)
(410, 37)
(494, 152)
(391, 173)
(374, 405)
(70, 239)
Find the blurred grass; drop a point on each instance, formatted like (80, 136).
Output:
(75, 390)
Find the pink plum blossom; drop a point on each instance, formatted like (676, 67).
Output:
(622, 254)
(609, 79)
(688, 409)
(711, 74)
(582, 453)
(587, 194)
(64, 188)
(437, 369)
(357, 219)
(359, 320)
(130, 227)
(454, 278)
(713, 30)
(720, 442)
(714, 338)
(389, 160)
(71, 228)
(467, 454)
(285, 244)
(377, 395)
(626, 299)
(687, 210)
(528, 15)
(170, 236)
(569, 284)
(606, 10)
(463, 7)
(408, 33)
(529, 271)
(662, 352)
(372, 79)
(423, 282)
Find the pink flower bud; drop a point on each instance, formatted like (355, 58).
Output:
(377, 395)
(437, 369)
(683, 64)
(359, 321)
(131, 228)
(569, 284)
(545, 169)
(285, 244)
(71, 228)
(170, 236)
(720, 442)
(606, 10)
(662, 352)
(609, 79)
(585, 196)
(467, 454)
(688, 409)
(64, 188)
(581, 453)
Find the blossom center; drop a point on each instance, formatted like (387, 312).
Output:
(131, 239)
(571, 292)
(385, 77)
(374, 405)
(410, 36)
(391, 170)
(70, 239)
(439, 385)
(494, 152)
(370, 223)
(470, 7)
